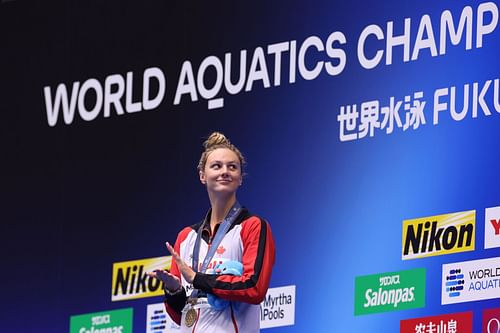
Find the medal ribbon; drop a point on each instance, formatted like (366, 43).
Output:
(221, 232)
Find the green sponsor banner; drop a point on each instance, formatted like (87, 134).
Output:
(115, 321)
(389, 291)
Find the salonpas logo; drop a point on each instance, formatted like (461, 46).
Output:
(116, 321)
(130, 280)
(390, 291)
(438, 235)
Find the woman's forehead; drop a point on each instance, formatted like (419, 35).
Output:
(223, 154)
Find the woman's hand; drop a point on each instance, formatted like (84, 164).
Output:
(186, 271)
(171, 281)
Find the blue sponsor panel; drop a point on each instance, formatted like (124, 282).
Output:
(353, 116)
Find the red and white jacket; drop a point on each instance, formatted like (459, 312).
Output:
(249, 241)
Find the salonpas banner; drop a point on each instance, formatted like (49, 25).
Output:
(390, 291)
(115, 321)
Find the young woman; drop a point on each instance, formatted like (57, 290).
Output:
(228, 234)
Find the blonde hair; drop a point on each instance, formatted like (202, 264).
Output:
(218, 140)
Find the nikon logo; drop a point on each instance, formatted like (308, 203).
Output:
(130, 280)
(438, 235)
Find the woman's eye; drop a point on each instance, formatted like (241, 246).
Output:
(216, 166)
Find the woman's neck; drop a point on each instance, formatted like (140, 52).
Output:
(220, 208)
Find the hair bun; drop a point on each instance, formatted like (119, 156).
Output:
(216, 139)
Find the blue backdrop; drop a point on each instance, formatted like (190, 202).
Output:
(78, 197)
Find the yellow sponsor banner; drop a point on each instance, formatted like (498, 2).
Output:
(438, 235)
(130, 280)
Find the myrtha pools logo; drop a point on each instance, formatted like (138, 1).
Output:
(454, 282)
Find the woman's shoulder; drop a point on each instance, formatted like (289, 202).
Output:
(184, 233)
(246, 215)
(247, 218)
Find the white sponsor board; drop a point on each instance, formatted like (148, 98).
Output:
(158, 320)
(278, 308)
(492, 227)
(470, 281)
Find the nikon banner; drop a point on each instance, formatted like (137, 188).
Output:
(438, 235)
(370, 131)
(130, 280)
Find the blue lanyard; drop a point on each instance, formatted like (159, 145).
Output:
(221, 232)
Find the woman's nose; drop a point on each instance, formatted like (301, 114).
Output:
(225, 170)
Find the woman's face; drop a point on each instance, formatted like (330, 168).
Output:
(222, 172)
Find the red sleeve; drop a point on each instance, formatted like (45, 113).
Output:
(258, 261)
(175, 303)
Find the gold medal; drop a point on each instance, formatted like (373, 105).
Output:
(190, 317)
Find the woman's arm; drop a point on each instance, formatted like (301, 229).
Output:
(176, 300)
(258, 260)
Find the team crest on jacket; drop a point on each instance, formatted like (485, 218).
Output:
(220, 250)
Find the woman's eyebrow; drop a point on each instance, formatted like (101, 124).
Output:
(228, 162)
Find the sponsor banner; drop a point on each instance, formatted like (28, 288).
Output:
(447, 323)
(158, 320)
(389, 291)
(114, 321)
(492, 227)
(130, 280)
(491, 321)
(470, 281)
(438, 235)
(278, 308)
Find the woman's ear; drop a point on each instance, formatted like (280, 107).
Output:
(203, 180)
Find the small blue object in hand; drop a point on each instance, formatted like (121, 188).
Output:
(230, 267)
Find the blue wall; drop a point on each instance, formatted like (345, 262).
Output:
(79, 197)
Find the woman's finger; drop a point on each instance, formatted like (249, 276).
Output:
(171, 249)
(186, 271)
(174, 254)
